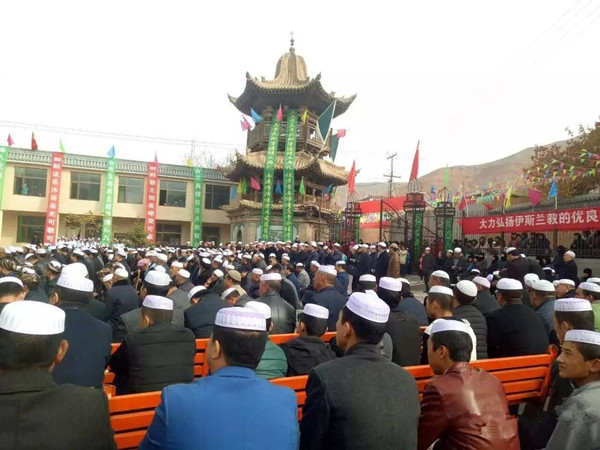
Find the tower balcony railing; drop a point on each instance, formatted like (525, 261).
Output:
(316, 200)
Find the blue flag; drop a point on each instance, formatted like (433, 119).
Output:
(111, 152)
(553, 190)
(278, 188)
(328, 189)
(234, 190)
(255, 116)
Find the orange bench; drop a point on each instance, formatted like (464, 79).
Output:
(523, 378)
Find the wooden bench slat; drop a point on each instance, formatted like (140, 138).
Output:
(133, 402)
(513, 387)
(131, 439)
(294, 383)
(132, 421)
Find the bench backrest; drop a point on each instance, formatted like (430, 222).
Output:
(523, 378)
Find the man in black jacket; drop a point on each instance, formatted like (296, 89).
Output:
(465, 293)
(89, 338)
(308, 350)
(282, 313)
(569, 269)
(361, 400)
(517, 267)
(382, 261)
(156, 356)
(429, 265)
(565, 288)
(200, 317)
(515, 329)
(485, 302)
(32, 407)
(120, 298)
(403, 328)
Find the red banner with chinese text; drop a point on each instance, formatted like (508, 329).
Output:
(53, 197)
(151, 200)
(566, 219)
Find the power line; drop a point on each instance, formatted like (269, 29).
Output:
(391, 175)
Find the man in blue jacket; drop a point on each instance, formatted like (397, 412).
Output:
(260, 414)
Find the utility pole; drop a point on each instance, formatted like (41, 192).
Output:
(391, 175)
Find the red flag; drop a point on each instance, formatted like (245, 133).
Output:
(415, 167)
(245, 124)
(488, 206)
(254, 184)
(351, 179)
(155, 162)
(341, 133)
(463, 203)
(10, 140)
(33, 142)
(280, 114)
(535, 196)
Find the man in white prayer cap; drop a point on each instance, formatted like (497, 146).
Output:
(326, 294)
(32, 407)
(200, 316)
(157, 355)
(578, 424)
(264, 414)
(345, 396)
(302, 275)
(308, 350)
(542, 297)
(11, 290)
(479, 417)
(283, 314)
(485, 302)
(89, 338)
(121, 297)
(568, 269)
(465, 293)
(591, 292)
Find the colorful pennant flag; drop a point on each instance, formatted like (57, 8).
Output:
(189, 162)
(243, 188)
(553, 190)
(340, 133)
(324, 121)
(111, 152)
(254, 184)
(62, 147)
(463, 203)
(301, 188)
(535, 196)
(279, 114)
(352, 178)
(10, 140)
(278, 189)
(34, 145)
(414, 173)
(488, 206)
(508, 197)
(245, 124)
(234, 191)
(304, 116)
(328, 189)
(155, 156)
(335, 141)
(255, 116)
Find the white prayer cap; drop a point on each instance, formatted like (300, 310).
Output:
(77, 269)
(404, 281)
(510, 249)
(261, 255)
(475, 271)
(206, 261)
(440, 274)
(122, 253)
(340, 263)
(449, 325)
(33, 318)
(372, 246)
(571, 253)
(194, 291)
(219, 273)
(269, 267)
(441, 290)
(355, 247)
(183, 273)
(482, 282)
(449, 251)
(542, 285)
(11, 280)
(40, 251)
(28, 270)
(294, 245)
(78, 252)
(325, 247)
(587, 286)
(330, 270)
(158, 302)
(270, 277)
(495, 272)
(391, 284)
(368, 277)
(427, 248)
(257, 271)
(316, 264)
(177, 264)
(457, 250)
(241, 319)
(555, 283)
(490, 277)
(523, 255)
(246, 256)
(157, 278)
(365, 245)
(572, 305)
(593, 280)
(285, 256)
(160, 269)
(313, 243)
(272, 255)
(566, 281)
(509, 284)
(320, 312)
(583, 336)
(95, 252)
(162, 257)
(336, 245)
(75, 283)
(530, 278)
(369, 307)
(260, 307)
(382, 245)
(226, 292)
(151, 253)
(107, 278)
(121, 273)
(54, 266)
(111, 257)
(189, 258)
(467, 287)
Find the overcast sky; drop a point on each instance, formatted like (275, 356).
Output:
(473, 80)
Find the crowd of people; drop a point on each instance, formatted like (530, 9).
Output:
(63, 306)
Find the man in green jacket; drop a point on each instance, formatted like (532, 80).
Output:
(273, 363)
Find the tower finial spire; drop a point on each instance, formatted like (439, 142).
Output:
(292, 50)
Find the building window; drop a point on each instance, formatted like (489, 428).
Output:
(30, 181)
(216, 196)
(30, 228)
(131, 190)
(211, 234)
(172, 193)
(85, 186)
(168, 234)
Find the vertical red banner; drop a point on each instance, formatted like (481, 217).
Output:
(152, 191)
(51, 228)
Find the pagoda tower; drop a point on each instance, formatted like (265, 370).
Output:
(285, 156)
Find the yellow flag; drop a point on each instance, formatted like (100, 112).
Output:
(508, 196)
(190, 163)
(304, 115)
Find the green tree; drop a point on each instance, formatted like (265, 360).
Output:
(575, 166)
(137, 235)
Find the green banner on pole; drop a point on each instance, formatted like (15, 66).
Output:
(289, 167)
(198, 205)
(268, 176)
(3, 157)
(109, 196)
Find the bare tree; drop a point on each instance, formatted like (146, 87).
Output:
(209, 160)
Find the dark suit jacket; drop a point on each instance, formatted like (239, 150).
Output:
(360, 401)
(36, 414)
(200, 318)
(119, 299)
(381, 265)
(283, 314)
(406, 338)
(332, 300)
